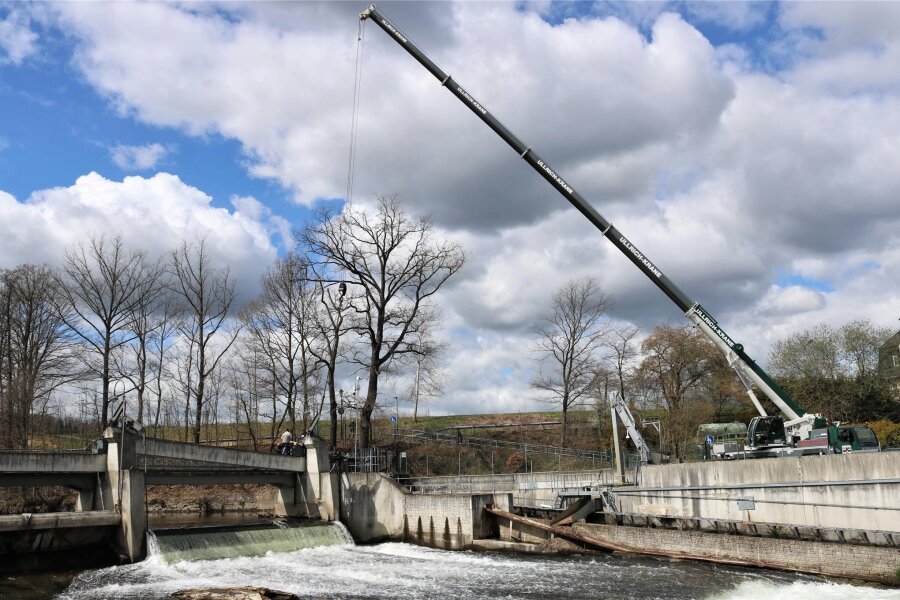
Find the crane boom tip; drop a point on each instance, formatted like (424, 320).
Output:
(367, 13)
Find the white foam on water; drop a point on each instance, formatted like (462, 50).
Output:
(758, 589)
(413, 572)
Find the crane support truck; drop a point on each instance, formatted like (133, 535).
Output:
(797, 431)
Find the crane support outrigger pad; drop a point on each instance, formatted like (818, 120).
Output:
(799, 423)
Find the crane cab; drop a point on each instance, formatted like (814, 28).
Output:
(764, 432)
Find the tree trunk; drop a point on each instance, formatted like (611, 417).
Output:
(105, 408)
(365, 417)
(332, 408)
(198, 417)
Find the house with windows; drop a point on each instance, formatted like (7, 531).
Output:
(889, 362)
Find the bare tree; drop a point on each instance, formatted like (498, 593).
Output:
(35, 349)
(397, 265)
(207, 294)
(282, 322)
(135, 361)
(101, 283)
(623, 353)
(247, 382)
(330, 326)
(164, 324)
(570, 337)
(183, 378)
(428, 377)
(679, 364)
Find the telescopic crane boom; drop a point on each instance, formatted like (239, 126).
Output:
(799, 422)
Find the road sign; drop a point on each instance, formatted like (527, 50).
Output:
(393, 419)
(709, 440)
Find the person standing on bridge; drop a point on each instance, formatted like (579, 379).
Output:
(285, 446)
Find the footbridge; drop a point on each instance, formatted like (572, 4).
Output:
(111, 478)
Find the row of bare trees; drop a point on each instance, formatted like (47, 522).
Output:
(680, 375)
(585, 358)
(36, 349)
(111, 314)
(355, 294)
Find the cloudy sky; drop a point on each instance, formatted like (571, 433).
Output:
(752, 150)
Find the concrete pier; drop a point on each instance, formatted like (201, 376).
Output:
(111, 479)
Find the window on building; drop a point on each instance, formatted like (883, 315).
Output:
(896, 360)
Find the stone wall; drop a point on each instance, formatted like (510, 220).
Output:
(841, 560)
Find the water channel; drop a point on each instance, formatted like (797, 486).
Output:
(397, 570)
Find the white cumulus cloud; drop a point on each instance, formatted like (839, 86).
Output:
(154, 214)
(17, 40)
(138, 158)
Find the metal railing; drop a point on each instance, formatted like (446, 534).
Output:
(369, 460)
(505, 483)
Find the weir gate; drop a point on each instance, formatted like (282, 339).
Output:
(111, 480)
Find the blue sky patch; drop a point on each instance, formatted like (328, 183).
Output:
(56, 128)
(820, 285)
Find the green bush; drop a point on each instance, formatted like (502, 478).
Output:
(887, 431)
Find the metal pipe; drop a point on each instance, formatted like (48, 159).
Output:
(744, 486)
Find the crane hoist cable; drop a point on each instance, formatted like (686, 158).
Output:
(354, 119)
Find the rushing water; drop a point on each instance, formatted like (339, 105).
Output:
(406, 571)
(280, 537)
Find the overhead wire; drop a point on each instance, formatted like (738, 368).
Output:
(354, 119)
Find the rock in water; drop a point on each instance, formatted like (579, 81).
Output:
(242, 593)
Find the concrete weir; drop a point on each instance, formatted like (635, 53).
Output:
(111, 481)
(835, 515)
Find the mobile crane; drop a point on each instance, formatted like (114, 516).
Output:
(801, 432)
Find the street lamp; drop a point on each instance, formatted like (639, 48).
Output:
(119, 412)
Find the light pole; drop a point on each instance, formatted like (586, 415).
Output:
(119, 412)
(397, 413)
(341, 413)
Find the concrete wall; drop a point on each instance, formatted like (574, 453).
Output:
(372, 506)
(850, 491)
(320, 485)
(860, 562)
(375, 508)
(535, 490)
(439, 521)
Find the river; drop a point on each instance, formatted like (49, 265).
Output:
(395, 570)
